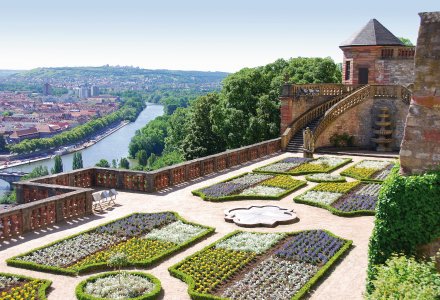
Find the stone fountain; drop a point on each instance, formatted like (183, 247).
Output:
(383, 134)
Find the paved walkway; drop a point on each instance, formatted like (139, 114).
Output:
(346, 280)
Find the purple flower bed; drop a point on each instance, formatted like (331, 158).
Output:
(296, 160)
(137, 224)
(314, 246)
(353, 202)
(383, 174)
(222, 189)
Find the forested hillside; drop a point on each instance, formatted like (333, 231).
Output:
(245, 111)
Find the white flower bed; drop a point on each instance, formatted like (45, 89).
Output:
(263, 191)
(369, 189)
(120, 286)
(177, 232)
(328, 160)
(71, 250)
(325, 177)
(373, 164)
(279, 167)
(250, 179)
(320, 197)
(247, 241)
(273, 278)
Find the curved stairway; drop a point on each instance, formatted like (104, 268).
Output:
(320, 117)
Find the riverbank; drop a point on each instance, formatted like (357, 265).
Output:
(94, 140)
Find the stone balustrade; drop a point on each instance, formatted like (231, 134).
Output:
(404, 52)
(54, 198)
(321, 89)
(42, 213)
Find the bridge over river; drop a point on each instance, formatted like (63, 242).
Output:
(11, 176)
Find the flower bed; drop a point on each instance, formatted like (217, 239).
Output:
(145, 238)
(325, 177)
(17, 287)
(343, 199)
(119, 285)
(250, 186)
(246, 265)
(300, 166)
(370, 170)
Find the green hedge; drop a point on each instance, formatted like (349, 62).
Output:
(173, 270)
(407, 215)
(81, 295)
(41, 291)
(16, 262)
(279, 196)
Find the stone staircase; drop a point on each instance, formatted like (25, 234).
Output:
(296, 143)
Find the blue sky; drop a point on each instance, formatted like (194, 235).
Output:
(188, 35)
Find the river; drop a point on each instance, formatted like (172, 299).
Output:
(112, 147)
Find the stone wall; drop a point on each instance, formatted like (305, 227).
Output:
(420, 150)
(395, 69)
(359, 122)
(398, 71)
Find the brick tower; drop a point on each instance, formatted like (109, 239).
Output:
(376, 56)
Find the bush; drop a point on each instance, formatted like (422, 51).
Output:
(407, 215)
(405, 278)
(342, 140)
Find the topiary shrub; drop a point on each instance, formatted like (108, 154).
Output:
(407, 215)
(405, 278)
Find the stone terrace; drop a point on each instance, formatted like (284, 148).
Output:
(345, 281)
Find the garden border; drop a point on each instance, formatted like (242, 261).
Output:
(300, 293)
(257, 170)
(81, 295)
(15, 262)
(43, 288)
(279, 196)
(347, 172)
(335, 211)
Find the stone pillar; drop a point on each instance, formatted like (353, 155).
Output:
(420, 149)
(286, 107)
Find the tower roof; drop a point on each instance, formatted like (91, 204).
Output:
(372, 34)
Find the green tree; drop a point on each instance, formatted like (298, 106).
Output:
(142, 157)
(124, 163)
(77, 161)
(114, 163)
(201, 140)
(406, 41)
(58, 167)
(36, 172)
(103, 163)
(2, 144)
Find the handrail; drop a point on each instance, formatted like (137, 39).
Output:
(308, 116)
(341, 107)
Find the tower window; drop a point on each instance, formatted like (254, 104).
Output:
(347, 70)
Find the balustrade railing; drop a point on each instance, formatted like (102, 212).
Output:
(321, 89)
(39, 214)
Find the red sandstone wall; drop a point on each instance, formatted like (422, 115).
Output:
(359, 122)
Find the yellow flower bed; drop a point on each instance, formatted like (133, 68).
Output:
(27, 291)
(282, 181)
(136, 249)
(336, 187)
(361, 173)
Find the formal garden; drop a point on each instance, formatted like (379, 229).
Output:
(250, 265)
(144, 238)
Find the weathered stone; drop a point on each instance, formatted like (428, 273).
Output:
(422, 134)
